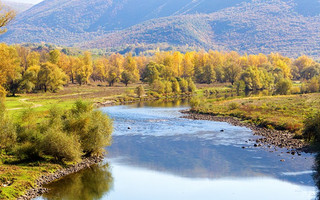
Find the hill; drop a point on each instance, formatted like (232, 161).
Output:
(291, 27)
(19, 7)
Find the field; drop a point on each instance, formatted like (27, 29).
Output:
(279, 112)
(66, 97)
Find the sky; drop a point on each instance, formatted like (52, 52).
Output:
(26, 1)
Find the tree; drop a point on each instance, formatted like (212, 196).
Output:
(51, 77)
(283, 86)
(6, 16)
(232, 72)
(9, 67)
(310, 71)
(54, 56)
(313, 85)
(85, 69)
(151, 73)
(140, 91)
(126, 77)
(130, 65)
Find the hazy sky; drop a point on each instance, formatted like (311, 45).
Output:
(26, 1)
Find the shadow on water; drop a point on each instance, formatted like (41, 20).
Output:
(88, 184)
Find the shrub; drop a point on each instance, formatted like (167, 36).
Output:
(194, 102)
(183, 85)
(158, 86)
(175, 86)
(167, 87)
(140, 91)
(233, 106)
(7, 131)
(191, 86)
(283, 86)
(60, 145)
(93, 128)
(28, 150)
(311, 130)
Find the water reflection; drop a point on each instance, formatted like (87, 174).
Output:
(316, 175)
(163, 103)
(89, 184)
(189, 156)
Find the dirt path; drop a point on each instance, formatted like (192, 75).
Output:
(33, 105)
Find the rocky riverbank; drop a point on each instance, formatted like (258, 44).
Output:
(270, 138)
(46, 179)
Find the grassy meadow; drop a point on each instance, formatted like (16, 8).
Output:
(285, 112)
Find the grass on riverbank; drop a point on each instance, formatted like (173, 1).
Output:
(280, 112)
(17, 177)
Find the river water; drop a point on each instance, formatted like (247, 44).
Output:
(156, 155)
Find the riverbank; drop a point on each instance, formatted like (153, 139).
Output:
(270, 138)
(39, 188)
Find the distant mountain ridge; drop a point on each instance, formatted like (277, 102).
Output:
(18, 7)
(291, 27)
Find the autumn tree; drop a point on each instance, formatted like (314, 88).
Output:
(9, 67)
(6, 16)
(130, 65)
(126, 77)
(140, 91)
(51, 77)
(232, 72)
(85, 69)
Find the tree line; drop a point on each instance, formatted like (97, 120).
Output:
(26, 70)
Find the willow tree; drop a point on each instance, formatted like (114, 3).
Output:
(6, 16)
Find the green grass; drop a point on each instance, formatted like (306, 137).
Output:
(280, 112)
(15, 179)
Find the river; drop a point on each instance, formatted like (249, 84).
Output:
(158, 155)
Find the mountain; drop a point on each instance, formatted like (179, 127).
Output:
(291, 27)
(18, 7)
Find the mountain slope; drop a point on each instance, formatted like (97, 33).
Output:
(69, 21)
(259, 26)
(18, 7)
(249, 26)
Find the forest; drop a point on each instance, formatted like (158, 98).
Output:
(26, 70)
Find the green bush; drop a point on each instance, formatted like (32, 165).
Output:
(64, 135)
(183, 85)
(28, 150)
(92, 127)
(191, 86)
(311, 130)
(194, 102)
(8, 135)
(61, 145)
(140, 91)
(233, 106)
